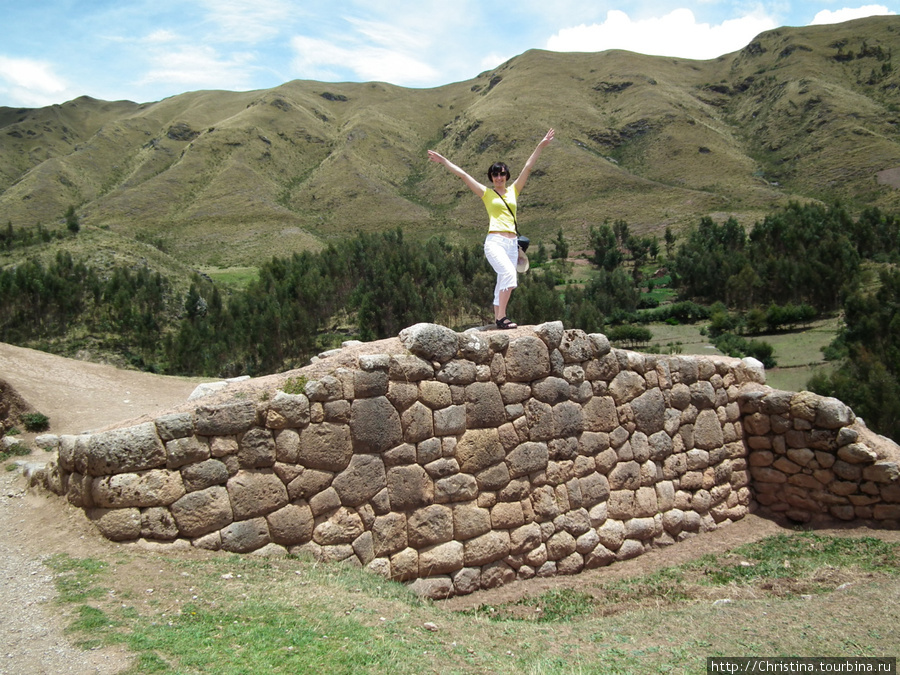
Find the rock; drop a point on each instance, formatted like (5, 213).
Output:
(430, 341)
(374, 425)
(255, 493)
(225, 419)
(120, 450)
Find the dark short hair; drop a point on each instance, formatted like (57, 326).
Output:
(498, 169)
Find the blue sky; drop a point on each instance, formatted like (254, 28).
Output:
(52, 51)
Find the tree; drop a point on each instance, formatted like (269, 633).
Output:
(670, 241)
(561, 247)
(72, 222)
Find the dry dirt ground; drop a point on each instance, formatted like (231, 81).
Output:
(79, 396)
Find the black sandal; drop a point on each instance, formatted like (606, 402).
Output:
(505, 324)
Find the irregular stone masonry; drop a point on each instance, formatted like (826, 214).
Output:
(478, 458)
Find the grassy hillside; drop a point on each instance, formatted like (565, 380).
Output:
(222, 178)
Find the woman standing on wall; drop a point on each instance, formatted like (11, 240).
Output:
(500, 246)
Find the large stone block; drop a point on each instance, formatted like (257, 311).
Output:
(245, 535)
(478, 449)
(649, 411)
(255, 493)
(600, 414)
(484, 406)
(363, 478)
(389, 534)
(430, 525)
(135, 448)
(409, 368)
(225, 419)
(117, 524)
(201, 512)
(708, 433)
(256, 449)
(626, 386)
(374, 425)
(327, 446)
(409, 487)
(341, 527)
(156, 487)
(291, 525)
(441, 559)
(527, 359)
(487, 548)
(288, 411)
(528, 458)
(430, 341)
(417, 422)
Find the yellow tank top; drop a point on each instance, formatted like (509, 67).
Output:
(501, 219)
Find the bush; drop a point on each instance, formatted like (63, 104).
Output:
(35, 421)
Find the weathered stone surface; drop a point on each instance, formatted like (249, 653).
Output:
(341, 527)
(430, 341)
(478, 449)
(117, 524)
(882, 472)
(187, 450)
(225, 419)
(649, 411)
(327, 446)
(539, 420)
(291, 524)
(430, 525)
(156, 487)
(708, 431)
(157, 523)
(409, 368)
(528, 458)
(409, 487)
(328, 388)
(256, 449)
(441, 559)
(201, 512)
(551, 333)
(600, 414)
(568, 420)
(527, 359)
(132, 449)
(245, 535)
(450, 421)
(174, 425)
(458, 488)
(288, 411)
(857, 453)
(486, 548)
(367, 384)
(255, 493)
(576, 347)
(435, 395)
(626, 386)
(484, 406)
(374, 425)
(363, 478)
(389, 534)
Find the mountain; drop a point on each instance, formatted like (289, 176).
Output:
(224, 178)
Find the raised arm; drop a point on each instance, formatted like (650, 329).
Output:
(473, 184)
(529, 165)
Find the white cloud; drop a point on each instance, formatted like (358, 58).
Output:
(200, 66)
(249, 21)
(675, 34)
(30, 82)
(326, 60)
(847, 14)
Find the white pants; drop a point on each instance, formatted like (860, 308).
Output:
(503, 254)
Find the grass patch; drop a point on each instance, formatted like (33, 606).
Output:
(233, 277)
(239, 614)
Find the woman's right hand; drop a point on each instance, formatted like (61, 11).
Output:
(435, 157)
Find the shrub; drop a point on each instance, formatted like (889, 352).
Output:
(35, 421)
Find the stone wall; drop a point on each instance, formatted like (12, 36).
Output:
(465, 461)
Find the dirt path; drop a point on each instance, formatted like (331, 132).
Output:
(76, 396)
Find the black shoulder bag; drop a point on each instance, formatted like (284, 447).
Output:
(522, 240)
